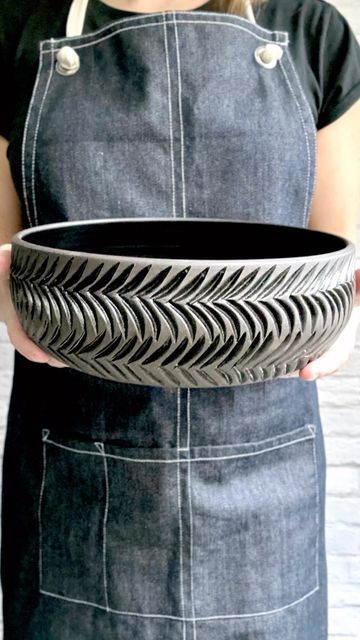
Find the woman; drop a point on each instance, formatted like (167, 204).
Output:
(143, 106)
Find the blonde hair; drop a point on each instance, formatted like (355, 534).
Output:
(236, 7)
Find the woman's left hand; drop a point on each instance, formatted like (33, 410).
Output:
(339, 352)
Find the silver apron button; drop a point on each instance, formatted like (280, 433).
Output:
(68, 61)
(268, 55)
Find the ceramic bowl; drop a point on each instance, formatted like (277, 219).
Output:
(182, 302)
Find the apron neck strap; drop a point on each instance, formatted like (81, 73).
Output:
(249, 11)
(77, 13)
(76, 18)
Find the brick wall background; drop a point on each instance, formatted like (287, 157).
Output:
(340, 409)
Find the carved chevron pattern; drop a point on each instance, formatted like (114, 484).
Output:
(181, 326)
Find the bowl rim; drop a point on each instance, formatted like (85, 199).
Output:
(19, 239)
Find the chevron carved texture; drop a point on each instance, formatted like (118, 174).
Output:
(181, 325)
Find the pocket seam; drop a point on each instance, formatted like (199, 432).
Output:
(288, 436)
(315, 517)
(100, 447)
(317, 512)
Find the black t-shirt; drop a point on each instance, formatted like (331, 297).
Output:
(324, 49)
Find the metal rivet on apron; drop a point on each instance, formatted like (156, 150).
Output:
(268, 55)
(68, 61)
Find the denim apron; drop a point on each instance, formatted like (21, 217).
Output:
(140, 513)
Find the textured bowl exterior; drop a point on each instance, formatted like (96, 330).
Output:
(177, 324)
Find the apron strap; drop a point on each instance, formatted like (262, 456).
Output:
(77, 13)
(76, 18)
(249, 12)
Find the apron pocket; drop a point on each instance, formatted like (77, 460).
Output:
(118, 531)
(255, 514)
(109, 526)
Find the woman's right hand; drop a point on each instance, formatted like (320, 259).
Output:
(17, 335)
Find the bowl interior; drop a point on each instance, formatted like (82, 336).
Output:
(186, 239)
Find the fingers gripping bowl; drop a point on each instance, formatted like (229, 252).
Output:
(182, 302)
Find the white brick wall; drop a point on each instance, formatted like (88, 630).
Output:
(340, 409)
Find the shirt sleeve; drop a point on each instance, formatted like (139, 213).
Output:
(340, 69)
(13, 18)
(5, 74)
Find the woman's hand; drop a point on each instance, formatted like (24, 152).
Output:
(340, 351)
(10, 223)
(17, 336)
(335, 208)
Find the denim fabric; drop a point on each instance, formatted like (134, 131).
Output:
(153, 514)
(169, 115)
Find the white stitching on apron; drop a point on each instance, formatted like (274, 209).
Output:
(170, 117)
(188, 416)
(159, 24)
(191, 518)
(33, 191)
(306, 101)
(317, 511)
(178, 425)
(176, 460)
(24, 141)
(169, 617)
(100, 446)
(180, 117)
(302, 90)
(306, 202)
(184, 619)
(39, 510)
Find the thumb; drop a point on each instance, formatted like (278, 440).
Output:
(357, 287)
(5, 261)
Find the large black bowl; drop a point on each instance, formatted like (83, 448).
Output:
(182, 302)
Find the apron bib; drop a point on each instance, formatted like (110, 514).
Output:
(155, 513)
(172, 114)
